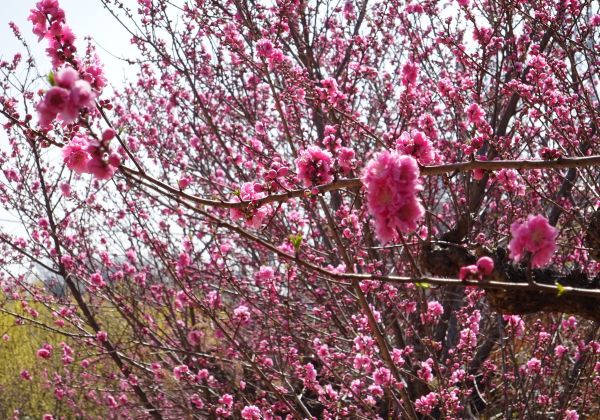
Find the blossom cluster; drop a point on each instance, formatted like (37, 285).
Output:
(49, 22)
(392, 183)
(534, 237)
(66, 98)
(315, 166)
(253, 215)
(85, 155)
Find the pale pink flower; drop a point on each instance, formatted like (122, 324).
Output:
(392, 182)
(254, 216)
(242, 314)
(314, 166)
(66, 77)
(534, 236)
(195, 337)
(571, 415)
(427, 403)
(345, 158)
(44, 353)
(533, 366)
(468, 272)
(97, 280)
(180, 371)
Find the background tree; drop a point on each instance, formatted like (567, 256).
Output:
(321, 209)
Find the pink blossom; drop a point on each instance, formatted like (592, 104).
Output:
(101, 336)
(314, 166)
(382, 376)
(533, 366)
(392, 182)
(195, 337)
(559, 351)
(485, 265)
(81, 94)
(410, 72)
(345, 158)
(66, 77)
(242, 314)
(417, 145)
(427, 403)
(102, 164)
(44, 353)
(435, 308)
(65, 189)
(66, 99)
(251, 412)
(55, 101)
(97, 280)
(264, 48)
(534, 236)
(509, 178)
(253, 215)
(475, 114)
(180, 371)
(75, 155)
(425, 373)
(108, 134)
(197, 401)
(571, 415)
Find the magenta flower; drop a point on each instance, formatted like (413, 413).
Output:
(534, 236)
(314, 166)
(392, 182)
(44, 353)
(253, 215)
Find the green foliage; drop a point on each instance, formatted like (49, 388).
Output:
(17, 353)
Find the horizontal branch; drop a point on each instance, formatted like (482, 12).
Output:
(568, 162)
